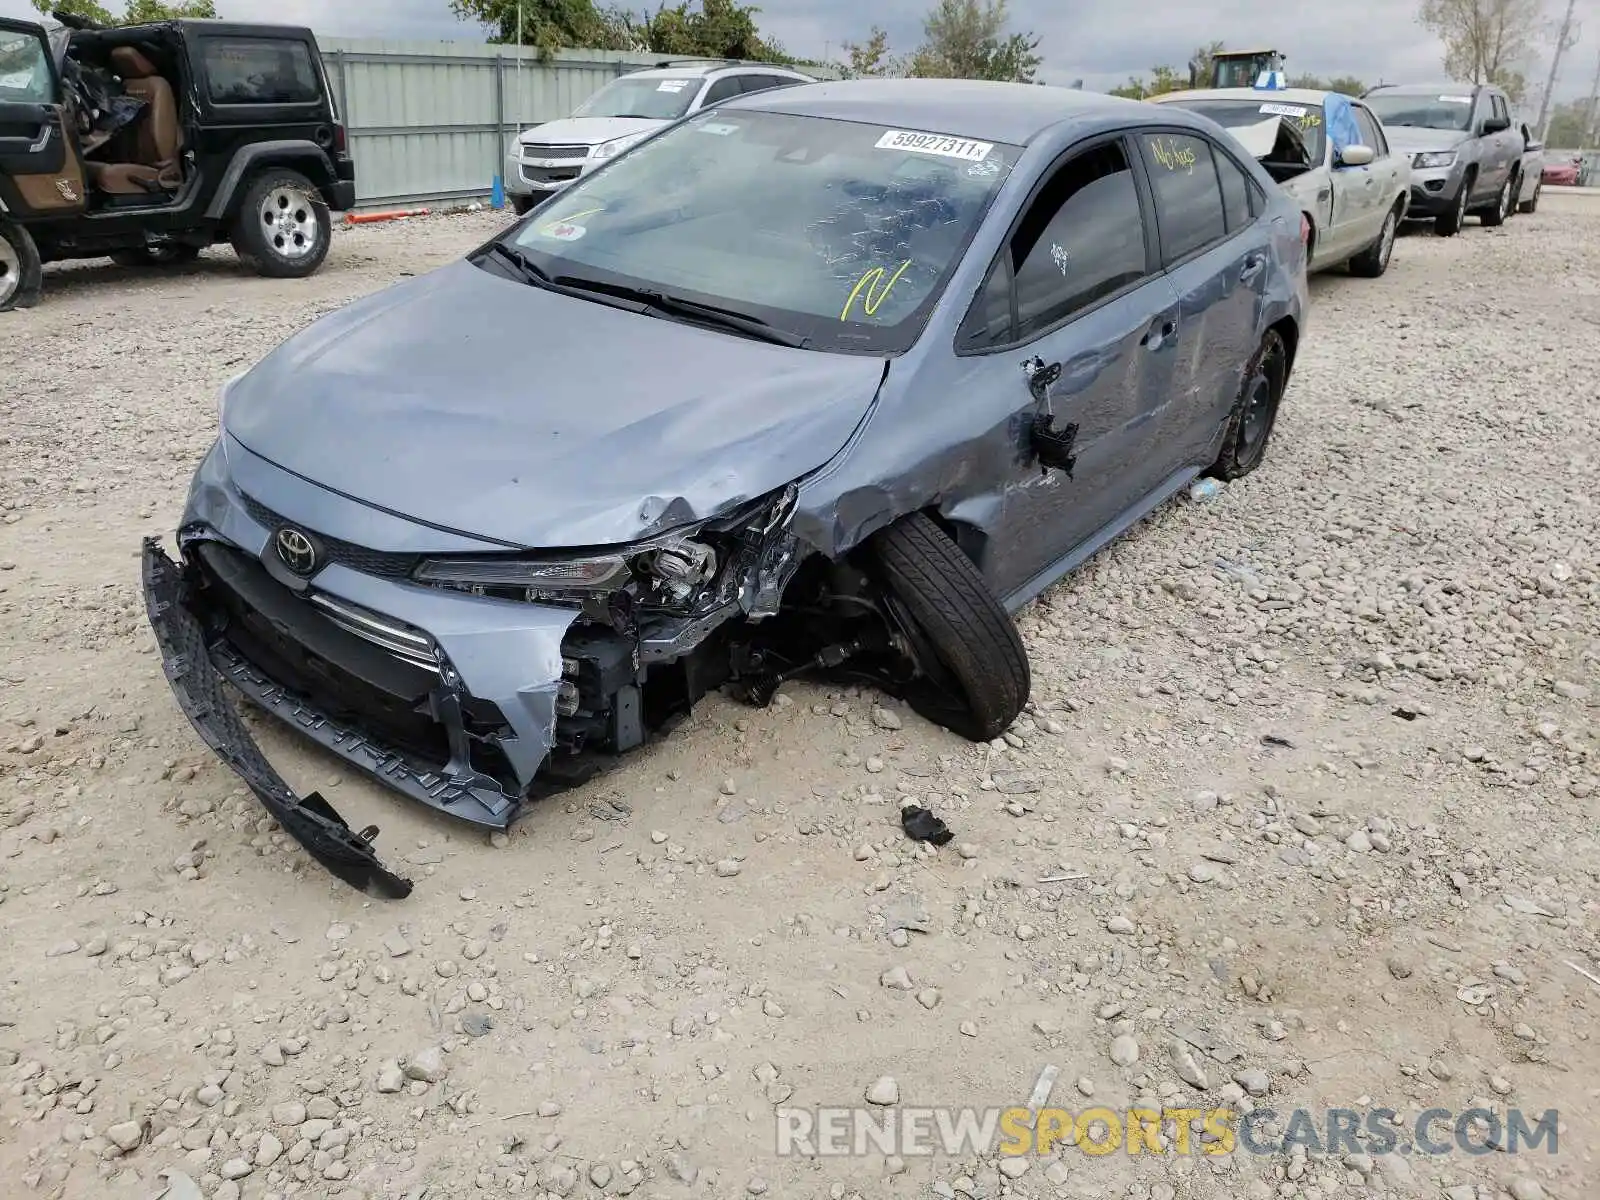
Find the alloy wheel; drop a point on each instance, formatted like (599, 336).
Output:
(289, 217)
(10, 270)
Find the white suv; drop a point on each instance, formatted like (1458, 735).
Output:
(545, 158)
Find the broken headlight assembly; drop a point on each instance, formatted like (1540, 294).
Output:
(687, 573)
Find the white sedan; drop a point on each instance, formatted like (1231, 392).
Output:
(1329, 152)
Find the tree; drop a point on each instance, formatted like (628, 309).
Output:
(135, 12)
(718, 29)
(1347, 85)
(1162, 79)
(1200, 62)
(547, 24)
(962, 39)
(871, 59)
(1485, 41)
(965, 40)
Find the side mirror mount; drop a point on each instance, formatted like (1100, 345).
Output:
(1356, 156)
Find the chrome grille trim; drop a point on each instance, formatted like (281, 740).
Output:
(402, 641)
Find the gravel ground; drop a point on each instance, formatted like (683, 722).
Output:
(1312, 767)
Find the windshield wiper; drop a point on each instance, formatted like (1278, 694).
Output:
(689, 310)
(520, 262)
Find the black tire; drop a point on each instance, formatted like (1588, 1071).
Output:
(1255, 412)
(173, 254)
(20, 270)
(1531, 204)
(282, 229)
(1374, 260)
(958, 618)
(1448, 224)
(1497, 213)
(521, 205)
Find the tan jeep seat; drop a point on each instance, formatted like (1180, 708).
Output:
(159, 133)
(131, 179)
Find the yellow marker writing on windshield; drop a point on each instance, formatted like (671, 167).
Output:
(873, 290)
(578, 216)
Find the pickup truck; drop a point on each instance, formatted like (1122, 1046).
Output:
(1466, 156)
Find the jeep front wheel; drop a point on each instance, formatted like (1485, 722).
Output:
(283, 229)
(19, 267)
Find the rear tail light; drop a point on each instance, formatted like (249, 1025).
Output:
(339, 139)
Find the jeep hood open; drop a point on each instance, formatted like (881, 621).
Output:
(497, 409)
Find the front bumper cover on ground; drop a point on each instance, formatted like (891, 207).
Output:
(199, 688)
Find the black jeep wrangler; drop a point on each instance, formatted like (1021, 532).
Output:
(147, 143)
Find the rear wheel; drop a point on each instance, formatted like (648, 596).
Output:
(973, 667)
(1497, 214)
(19, 267)
(1374, 260)
(1255, 412)
(283, 229)
(1531, 204)
(1448, 223)
(169, 255)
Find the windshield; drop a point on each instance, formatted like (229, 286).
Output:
(839, 232)
(1237, 114)
(24, 69)
(656, 97)
(1453, 112)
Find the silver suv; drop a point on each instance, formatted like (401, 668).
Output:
(1466, 155)
(543, 159)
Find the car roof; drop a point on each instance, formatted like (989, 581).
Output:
(1446, 88)
(967, 108)
(694, 70)
(1265, 95)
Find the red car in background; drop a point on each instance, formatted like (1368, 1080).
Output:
(1562, 174)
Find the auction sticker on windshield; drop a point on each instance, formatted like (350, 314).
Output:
(935, 143)
(672, 85)
(1284, 110)
(1455, 99)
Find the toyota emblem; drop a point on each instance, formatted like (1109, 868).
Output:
(297, 551)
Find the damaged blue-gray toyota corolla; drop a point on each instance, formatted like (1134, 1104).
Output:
(828, 379)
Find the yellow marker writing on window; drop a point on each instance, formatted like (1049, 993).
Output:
(873, 289)
(1173, 156)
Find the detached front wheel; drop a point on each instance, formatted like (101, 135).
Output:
(283, 229)
(973, 669)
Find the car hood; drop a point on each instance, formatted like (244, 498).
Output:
(497, 409)
(1422, 141)
(587, 131)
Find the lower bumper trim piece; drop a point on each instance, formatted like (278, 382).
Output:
(198, 686)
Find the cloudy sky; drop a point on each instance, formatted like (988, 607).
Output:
(1099, 41)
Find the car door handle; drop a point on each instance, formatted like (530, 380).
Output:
(1252, 266)
(1155, 337)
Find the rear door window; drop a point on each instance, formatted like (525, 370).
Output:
(725, 88)
(1188, 195)
(765, 83)
(1239, 199)
(260, 71)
